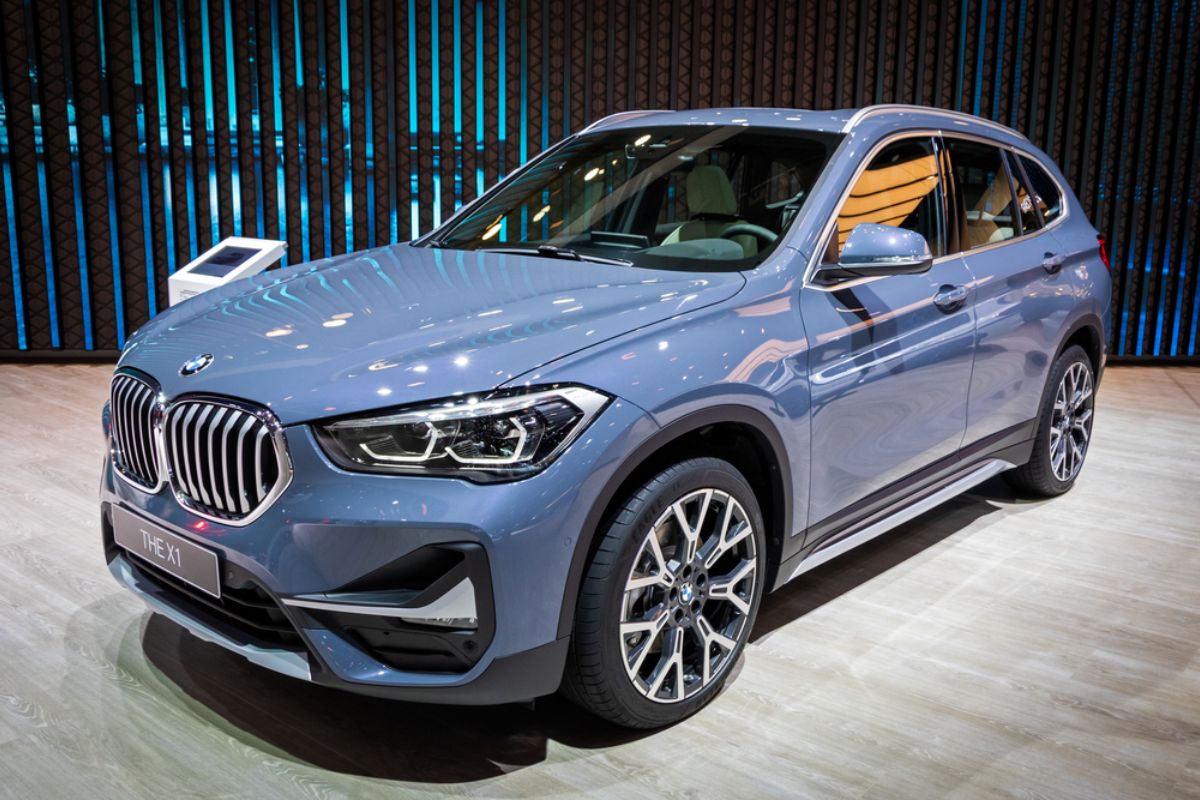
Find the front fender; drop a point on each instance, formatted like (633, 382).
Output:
(743, 362)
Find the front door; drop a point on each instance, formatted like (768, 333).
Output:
(889, 357)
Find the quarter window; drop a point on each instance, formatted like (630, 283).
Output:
(1031, 219)
(985, 200)
(901, 187)
(1045, 191)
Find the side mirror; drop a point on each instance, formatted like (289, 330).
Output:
(873, 249)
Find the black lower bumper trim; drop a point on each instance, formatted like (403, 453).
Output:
(511, 679)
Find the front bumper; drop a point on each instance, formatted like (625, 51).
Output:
(294, 578)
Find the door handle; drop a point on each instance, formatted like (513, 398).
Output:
(1052, 263)
(950, 298)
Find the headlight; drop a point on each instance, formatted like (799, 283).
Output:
(490, 438)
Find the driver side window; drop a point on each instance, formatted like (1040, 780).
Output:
(901, 187)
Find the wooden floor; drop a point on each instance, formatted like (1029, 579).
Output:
(992, 647)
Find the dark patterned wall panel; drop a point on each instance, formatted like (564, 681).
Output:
(136, 133)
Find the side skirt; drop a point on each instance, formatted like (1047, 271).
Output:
(886, 520)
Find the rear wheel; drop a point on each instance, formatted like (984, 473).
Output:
(669, 597)
(1064, 428)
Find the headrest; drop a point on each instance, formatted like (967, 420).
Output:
(709, 192)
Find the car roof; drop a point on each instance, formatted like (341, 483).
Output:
(869, 121)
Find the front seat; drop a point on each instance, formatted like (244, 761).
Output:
(711, 209)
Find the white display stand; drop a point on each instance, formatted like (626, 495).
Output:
(235, 257)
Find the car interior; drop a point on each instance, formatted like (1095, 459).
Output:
(984, 192)
(712, 209)
(665, 199)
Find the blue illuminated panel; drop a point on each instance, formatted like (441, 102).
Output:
(39, 148)
(1134, 157)
(14, 255)
(277, 124)
(235, 177)
(81, 238)
(164, 137)
(144, 167)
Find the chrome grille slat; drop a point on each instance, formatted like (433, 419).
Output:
(241, 472)
(213, 425)
(130, 409)
(135, 447)
(229, 504)
(225, 461)
(258, 464)
(149, 435)
(121, 421)
(142, 442)
(125, 423)
(184, 427)
(206, 441)
(197, 457)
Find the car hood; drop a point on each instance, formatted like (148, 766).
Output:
(401, 324)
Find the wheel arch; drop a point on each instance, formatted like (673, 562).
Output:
(1088, 332)
(739, 434)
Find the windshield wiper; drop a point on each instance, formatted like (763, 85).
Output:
(550, 251)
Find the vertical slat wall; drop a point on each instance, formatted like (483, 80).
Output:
(135, 133)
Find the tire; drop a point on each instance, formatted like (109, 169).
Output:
(1054, 465)
(641, 679)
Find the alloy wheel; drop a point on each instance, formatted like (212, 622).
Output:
(688, 596)
(1071, 422)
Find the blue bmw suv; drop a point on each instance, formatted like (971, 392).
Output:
(569, 439)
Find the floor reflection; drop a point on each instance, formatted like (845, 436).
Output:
(394, 740)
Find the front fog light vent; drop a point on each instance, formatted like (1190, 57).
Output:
(454, 609)
(428, 611)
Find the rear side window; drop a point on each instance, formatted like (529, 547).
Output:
(1044, 189)
(900, 187)
(1031, 219)
(984, 193)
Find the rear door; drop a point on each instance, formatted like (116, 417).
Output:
(1007, 230)
(889, 357)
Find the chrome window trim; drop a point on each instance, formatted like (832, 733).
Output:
(283, 456)
(156, 415)
(814, 259)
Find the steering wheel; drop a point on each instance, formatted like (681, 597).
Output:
(765, 236)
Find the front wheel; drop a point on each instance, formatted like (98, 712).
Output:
(669, 597)
(1064, 427)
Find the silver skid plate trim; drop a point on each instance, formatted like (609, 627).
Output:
(973, 478)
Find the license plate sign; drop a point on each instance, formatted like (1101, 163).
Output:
(170, 552)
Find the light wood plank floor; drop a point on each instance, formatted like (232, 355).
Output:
(993, 647)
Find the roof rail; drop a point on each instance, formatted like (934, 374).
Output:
(891, 108)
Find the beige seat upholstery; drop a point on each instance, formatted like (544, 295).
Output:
(712, 208)
(982, 225)
(887, 194)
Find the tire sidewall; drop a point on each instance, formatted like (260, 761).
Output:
(702, 473)
(1070, 356)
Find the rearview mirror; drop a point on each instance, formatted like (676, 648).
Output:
(873, 249)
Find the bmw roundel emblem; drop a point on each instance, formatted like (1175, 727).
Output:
(194, 365)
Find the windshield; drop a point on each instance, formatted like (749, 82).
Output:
(681, 197)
